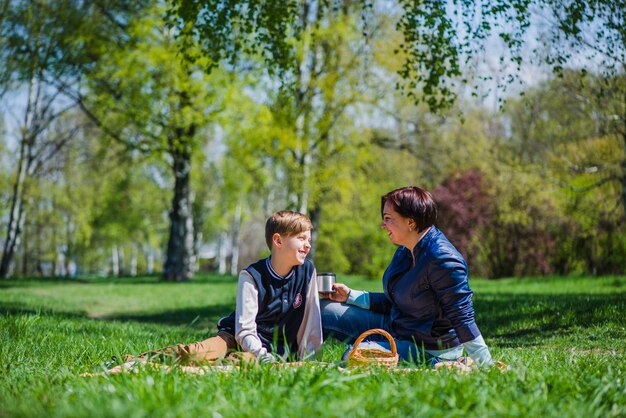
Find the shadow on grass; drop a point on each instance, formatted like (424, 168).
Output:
(182, 317)
(518, 319)
(12, 308)
(510, 318)
(138, 280)
(177, 317)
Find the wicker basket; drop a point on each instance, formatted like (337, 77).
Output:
(373, 356)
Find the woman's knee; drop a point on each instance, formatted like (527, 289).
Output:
(330, 309)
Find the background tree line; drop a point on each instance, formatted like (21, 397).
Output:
(149, 137)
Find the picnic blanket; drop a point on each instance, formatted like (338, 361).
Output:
(463, 365)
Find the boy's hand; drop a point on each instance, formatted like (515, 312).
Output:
(267, 358)
(341, 293)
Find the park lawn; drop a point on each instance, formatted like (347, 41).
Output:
(563, 337)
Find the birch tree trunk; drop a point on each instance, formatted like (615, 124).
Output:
(16, 213)
(133, 260)
(221, 253)
(115, 261)
(624, 156)
(234, 261)
(149, 254)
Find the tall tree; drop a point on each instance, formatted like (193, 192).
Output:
(314, 53)
(330, 78)
(591, 36)
(148, 99)
(42, 57)
(568, 130)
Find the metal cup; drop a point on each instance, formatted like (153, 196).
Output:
(325, 282)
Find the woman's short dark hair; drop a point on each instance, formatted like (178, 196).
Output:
(414, 203)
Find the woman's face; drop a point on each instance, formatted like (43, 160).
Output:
(397, 226)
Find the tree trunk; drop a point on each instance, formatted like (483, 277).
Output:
(133, 260)
(624, 160)
(26, 250)
(221, 253)
(69, 249)
(149, 254)
(16, 213)
(59, 265)
(122, 261)
(179, 260)
(234, 260)
(115, 261)
(624, 177)
(316, 215)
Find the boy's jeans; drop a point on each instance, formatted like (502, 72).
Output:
(347, 322)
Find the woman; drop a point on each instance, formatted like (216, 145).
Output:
(427, 303)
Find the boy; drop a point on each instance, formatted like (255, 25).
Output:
(277, 306)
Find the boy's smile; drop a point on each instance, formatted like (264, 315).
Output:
(289, 251)
(297, 247)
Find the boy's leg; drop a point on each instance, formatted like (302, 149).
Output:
(347, 322)
(211, 349)
(238, 357)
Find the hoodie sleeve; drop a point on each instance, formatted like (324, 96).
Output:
(310, 332)
(247, 307)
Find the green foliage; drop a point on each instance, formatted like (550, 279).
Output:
(225, 30)
(299, 110)
(566, 132)
(437, 37)
(562, 337)
(57, 42)
(145, 97)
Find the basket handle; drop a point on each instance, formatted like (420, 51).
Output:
(392, 342)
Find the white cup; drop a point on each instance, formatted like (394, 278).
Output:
(325, 282)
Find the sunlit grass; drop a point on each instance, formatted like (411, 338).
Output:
(564, 338)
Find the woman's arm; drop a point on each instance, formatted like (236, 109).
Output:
(448, 278)
(374, 301)
(309, 335)
(479, 352)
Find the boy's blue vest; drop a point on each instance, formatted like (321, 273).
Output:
(281, 306)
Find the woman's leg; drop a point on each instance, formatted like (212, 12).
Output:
(347, 322)
(413, 352)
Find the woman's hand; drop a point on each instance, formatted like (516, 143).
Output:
(341, 293)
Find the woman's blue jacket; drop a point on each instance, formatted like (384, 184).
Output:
(430, 302)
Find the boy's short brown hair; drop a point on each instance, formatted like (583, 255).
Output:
(286, 222)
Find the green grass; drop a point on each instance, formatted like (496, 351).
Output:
(564, 338)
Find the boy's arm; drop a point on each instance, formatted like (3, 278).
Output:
(310, 332)
(247, 306)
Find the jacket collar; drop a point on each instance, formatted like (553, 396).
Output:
(424, 242)
(275, 275)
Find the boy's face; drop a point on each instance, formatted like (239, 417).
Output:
(294, 248)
